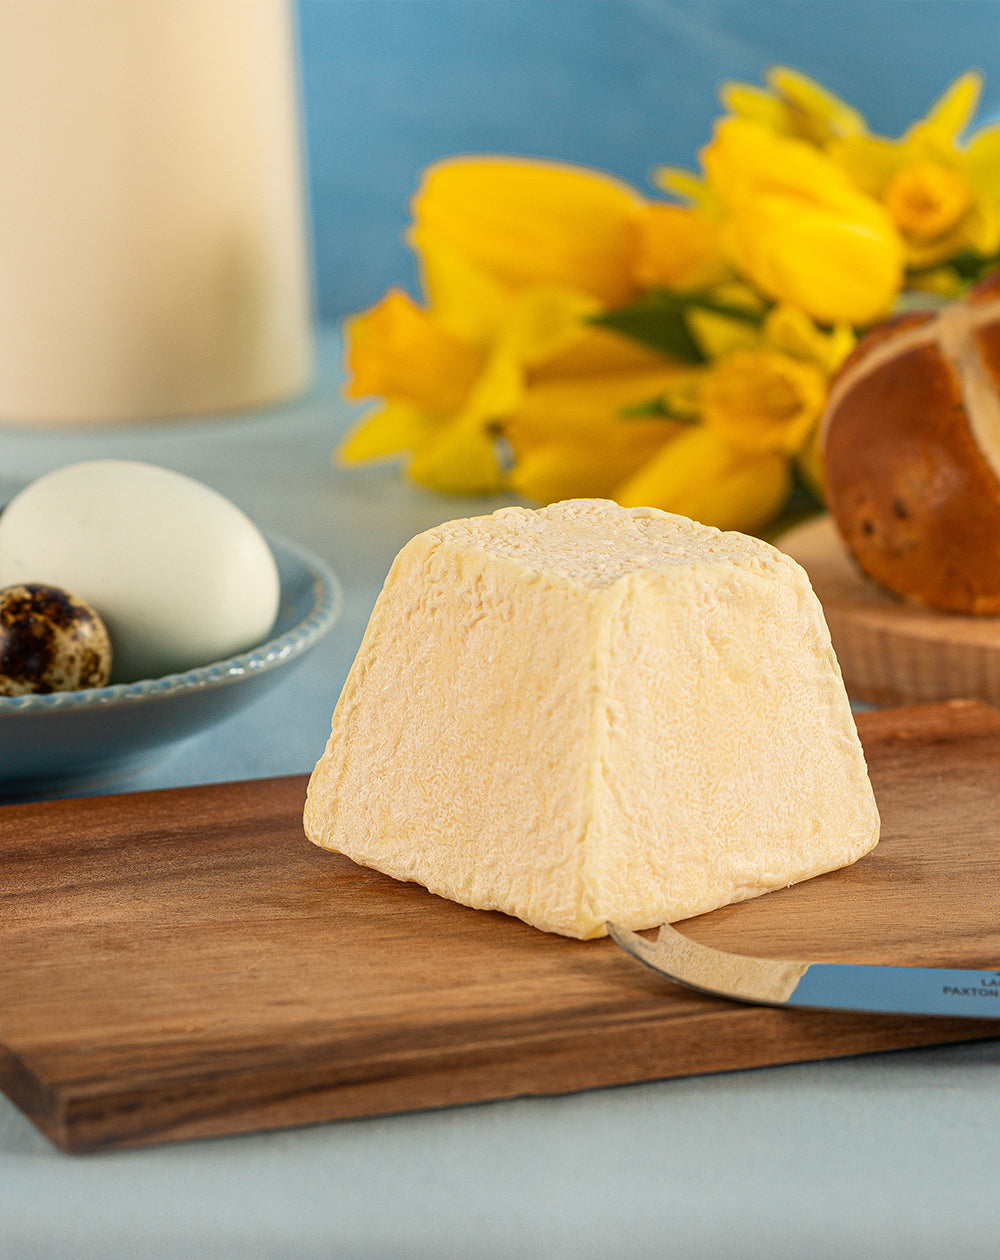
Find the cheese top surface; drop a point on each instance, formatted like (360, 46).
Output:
(597, 543)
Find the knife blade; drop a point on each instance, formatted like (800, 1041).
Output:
(894, 990)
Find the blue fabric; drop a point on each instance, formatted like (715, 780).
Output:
(623, 85)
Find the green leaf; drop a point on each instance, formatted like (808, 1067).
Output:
(655, 323)
(971, 267)
(659, 320)
(658, 409)
(968, 268)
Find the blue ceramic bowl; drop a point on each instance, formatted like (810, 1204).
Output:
(73, 737)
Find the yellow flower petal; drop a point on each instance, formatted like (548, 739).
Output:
(763, 400)
(389, 430)
(583, 470)
(952, 112)
(698, 474)
(983, 161)
(744, 159)
(468, 302)
(595, 352)
(790, 330)
(460, 458)
(717, 334)
(839, 271)
(531, 222)
(544, 320)
(397, 350)
(498, 389)
(816, 113)
(795, 105)
(591, 409)
(679, 248)
(747, 100)
(684, 184)
(927, 200)
(980, 230)
(798, 228)
(942, 193)
(868, 162)
(571, 436)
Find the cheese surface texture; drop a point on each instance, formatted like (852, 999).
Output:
(587, 712)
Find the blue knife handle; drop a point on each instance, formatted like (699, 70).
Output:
(900, 990)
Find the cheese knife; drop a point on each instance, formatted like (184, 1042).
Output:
(934, 991)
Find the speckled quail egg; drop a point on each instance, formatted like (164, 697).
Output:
(50, 641)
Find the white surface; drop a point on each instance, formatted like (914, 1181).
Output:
(880, 1157)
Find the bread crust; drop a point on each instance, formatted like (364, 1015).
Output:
(912, 490)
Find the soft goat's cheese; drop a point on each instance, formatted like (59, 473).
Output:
(586, 713)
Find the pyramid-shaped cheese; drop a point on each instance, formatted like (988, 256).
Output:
(587, 713)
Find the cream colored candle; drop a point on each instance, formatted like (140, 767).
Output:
(153, 255)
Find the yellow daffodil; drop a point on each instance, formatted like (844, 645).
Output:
(797, 228)
(942, 194)
(400, 352)
(734, 469)
(558, 403)
(763, 400)
(572, 434)
(700, 474)
(731, 320)
(514, 258)
(679, 247)
(794, 105)
(529, 223)
(789, 330)
(576, 339)
(755, 410)
(445, 390)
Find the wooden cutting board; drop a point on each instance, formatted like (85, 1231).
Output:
(184, 963)
(890, 651)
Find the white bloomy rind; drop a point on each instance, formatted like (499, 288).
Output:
(587, 713)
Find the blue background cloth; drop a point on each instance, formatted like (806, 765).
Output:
(623, 85)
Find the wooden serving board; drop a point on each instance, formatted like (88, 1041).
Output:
(184, 963)
(891, 651)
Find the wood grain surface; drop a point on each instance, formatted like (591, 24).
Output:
(184, 963)
(893, 652)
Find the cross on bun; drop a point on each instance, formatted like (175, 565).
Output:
(911, 450)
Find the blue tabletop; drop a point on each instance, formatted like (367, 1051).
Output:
(890, 1155)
